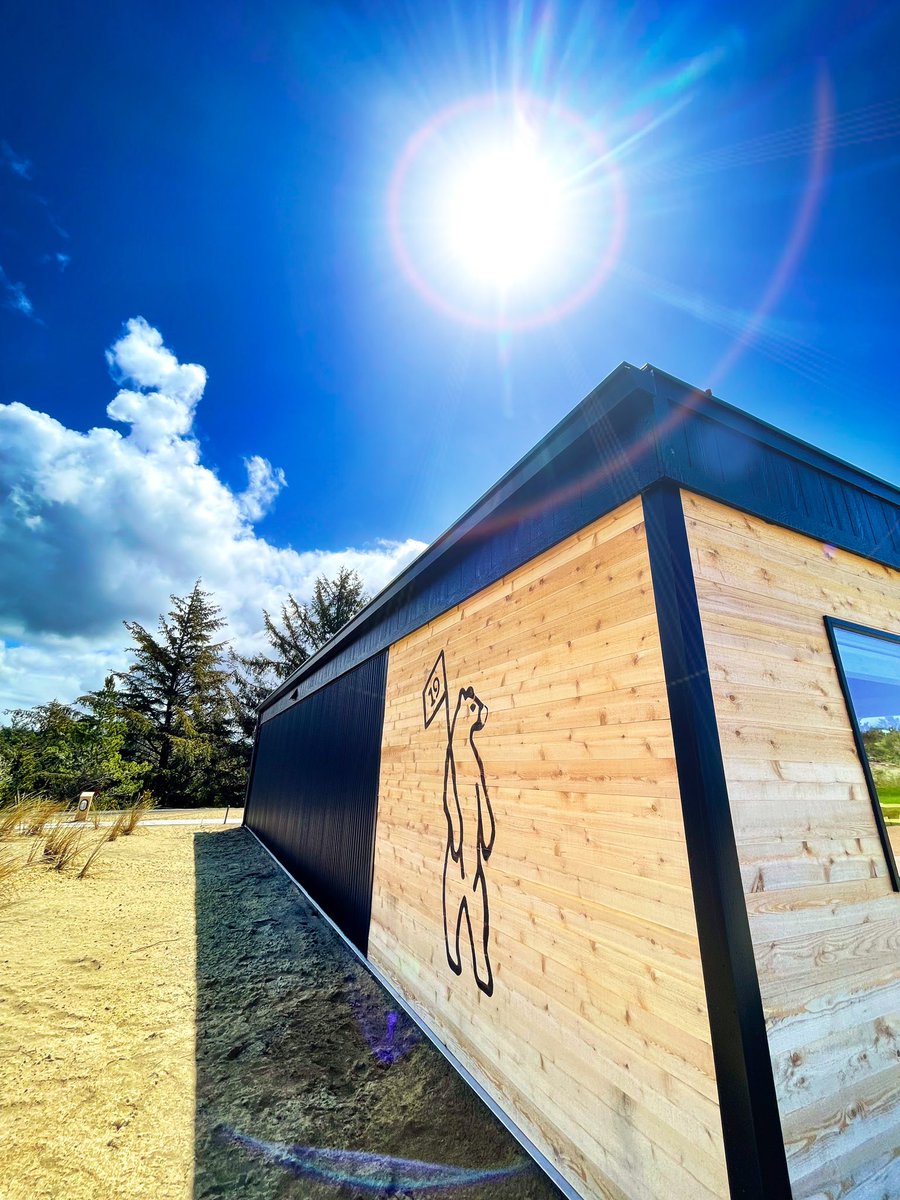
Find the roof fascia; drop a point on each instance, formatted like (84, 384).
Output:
(617, 412)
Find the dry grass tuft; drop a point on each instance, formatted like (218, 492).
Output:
(57, 842)
(98, 846)
(62, 846)
(10, 820)
(136, 813)
(117, 826)
(9, 868)
(37, 815)
(27, 817)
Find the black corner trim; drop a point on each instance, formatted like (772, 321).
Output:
(751, 1126)
(832, 623)
(248, 790)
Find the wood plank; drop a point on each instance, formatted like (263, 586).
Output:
(836, 1062)
(824, 918)
(537, 1079)
(530, 1002)
(596, 1036)
(872, 1170)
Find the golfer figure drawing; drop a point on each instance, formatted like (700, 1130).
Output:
(470, 826)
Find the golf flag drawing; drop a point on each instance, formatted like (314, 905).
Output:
(435, 693)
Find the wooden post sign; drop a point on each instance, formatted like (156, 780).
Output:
(85, 800)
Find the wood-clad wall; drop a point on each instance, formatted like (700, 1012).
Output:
(824, 919)
(595, 1038)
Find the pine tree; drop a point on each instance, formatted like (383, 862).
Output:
(175, 694)
(104, 734)
(301, 630)
(334, 602)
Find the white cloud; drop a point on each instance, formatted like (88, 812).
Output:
(264, 482)
(55, 668)
(100, 526)
(15, 296)
(162, 411)
(58, 259)
(17, 164)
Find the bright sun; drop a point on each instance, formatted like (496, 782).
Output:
(503, 215)
(506, 210)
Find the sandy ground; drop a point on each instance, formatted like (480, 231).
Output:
(163, 1018)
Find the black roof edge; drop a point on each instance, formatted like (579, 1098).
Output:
(667, 456)
(705, 404)
(611, 391)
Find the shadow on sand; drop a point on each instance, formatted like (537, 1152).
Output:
(309, 1083)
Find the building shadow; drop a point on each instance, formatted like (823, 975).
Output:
(309, 1082)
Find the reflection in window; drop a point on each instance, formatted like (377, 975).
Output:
(872, 670)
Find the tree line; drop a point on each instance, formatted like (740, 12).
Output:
(178, 723)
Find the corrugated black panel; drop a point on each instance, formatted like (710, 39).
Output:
(728, 455)
(314, 792)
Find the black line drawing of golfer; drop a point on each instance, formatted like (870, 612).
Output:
(470, 825)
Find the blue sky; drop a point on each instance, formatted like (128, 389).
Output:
(223, 172)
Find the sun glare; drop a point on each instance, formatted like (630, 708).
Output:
(504, 215)
(506, 211)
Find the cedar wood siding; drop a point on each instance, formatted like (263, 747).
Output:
(824, 918)
(596, 1038)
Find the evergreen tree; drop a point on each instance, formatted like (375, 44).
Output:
(37, 750)
(59, 751)
(301, 630)
(104, 736)
(255, 675)
(334, 602)
(176, 696)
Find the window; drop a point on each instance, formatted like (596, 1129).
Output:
(869, 669)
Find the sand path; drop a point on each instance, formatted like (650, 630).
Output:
(186, 997)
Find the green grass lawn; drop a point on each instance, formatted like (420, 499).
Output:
(890, 803)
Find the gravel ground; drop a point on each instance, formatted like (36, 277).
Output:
(298, 1045)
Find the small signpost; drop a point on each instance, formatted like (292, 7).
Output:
(85, 800)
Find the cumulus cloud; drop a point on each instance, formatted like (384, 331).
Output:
(60, 668)
(104, 525)
(161, 410)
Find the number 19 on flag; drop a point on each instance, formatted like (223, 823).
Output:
(435, 692)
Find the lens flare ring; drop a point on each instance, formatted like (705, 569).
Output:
(600, 162)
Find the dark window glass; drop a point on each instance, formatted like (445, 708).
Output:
(872, 670)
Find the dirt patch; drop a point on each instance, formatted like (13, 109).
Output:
(172, 1023)
(297, 1044)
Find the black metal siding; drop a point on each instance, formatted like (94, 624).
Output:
(314, 792)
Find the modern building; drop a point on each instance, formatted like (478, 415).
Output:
(599, 788)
